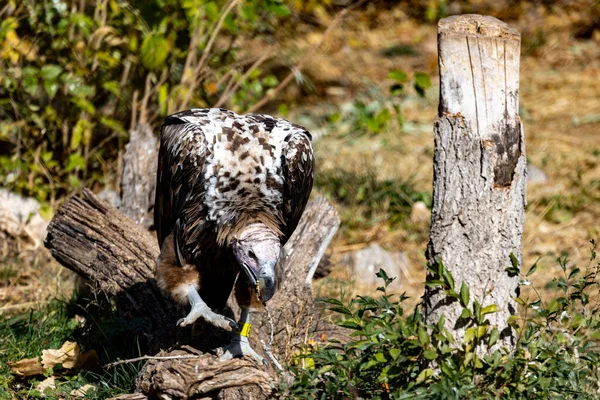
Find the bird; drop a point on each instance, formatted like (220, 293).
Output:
(230, 192)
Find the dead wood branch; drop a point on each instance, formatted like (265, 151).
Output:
(97, 241)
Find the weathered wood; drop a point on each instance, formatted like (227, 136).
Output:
(138, 177)
(97, 241)
(479, 169)
(201, 377)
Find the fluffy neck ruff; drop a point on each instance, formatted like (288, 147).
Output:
(247, 225)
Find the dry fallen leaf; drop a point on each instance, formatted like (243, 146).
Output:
(26, 367)
(66, 355)
(82, 391)
(46, 383)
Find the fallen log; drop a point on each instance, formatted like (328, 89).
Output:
(101, 244)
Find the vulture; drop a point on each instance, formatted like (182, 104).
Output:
(230, 192)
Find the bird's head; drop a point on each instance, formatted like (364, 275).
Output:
(257, 250)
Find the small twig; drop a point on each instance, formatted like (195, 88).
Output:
(269, 347)
(162, 358)
(197, 73)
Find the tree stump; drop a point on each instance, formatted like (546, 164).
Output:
(138, 177)
(479, 170)
(98, 242)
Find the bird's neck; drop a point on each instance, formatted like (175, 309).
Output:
(246, 224)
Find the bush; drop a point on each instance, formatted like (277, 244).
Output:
(73, 80)
(395, 356)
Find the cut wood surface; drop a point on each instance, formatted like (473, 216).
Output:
(98, 242)
(479, 170)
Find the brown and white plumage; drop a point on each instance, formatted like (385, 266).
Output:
(226, 180)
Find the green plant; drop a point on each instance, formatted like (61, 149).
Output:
(48, 327)
(391, 355)
(368, 198)
(75, 77)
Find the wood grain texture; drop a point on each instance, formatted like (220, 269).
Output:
(138, 177)
(479, 169)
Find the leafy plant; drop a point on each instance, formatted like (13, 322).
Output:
(75, 77)
(394, 355)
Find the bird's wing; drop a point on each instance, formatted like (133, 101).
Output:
(180, 173)
(298, 164)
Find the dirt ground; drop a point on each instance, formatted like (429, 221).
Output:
(560, 109)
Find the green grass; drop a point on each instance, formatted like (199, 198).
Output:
(26, 335)
(367, 199)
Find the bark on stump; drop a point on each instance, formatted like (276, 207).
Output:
(98, 242)
(138, 177)
(479, 170)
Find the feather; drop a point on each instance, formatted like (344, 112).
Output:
(218, 172)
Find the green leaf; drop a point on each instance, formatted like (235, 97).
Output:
(113, 124)
(519, 301)
(466, 313)
(270, 81)
(341, 310)
(383, 275)
(74, 181)
(514, 261)
(163, 94)
(154, 51)
(398, 76)
(395, 353)
(494, 336)
(30, 80)
(481, 330)
(430, 354)
(574, 273)
(334, 301)
(84, 105)
(422, 82)
(77, 134)
(441, 323)
(469, 335)
(464, 294)
(434, 283)
(535, 304)
(75, 161)
(278, 9)
(531, 270)
(423, 375)
(423, 336)
(212, 10)
(380, 357)
(113, 87)
(492, 308)
(50, 72)
(448, 277)
(351, 324)
(51, 88)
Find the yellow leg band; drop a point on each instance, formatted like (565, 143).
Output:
(245, 330)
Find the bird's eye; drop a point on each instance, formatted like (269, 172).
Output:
(252, 255)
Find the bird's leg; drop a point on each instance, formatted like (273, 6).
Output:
(240, 344)
(201, 310)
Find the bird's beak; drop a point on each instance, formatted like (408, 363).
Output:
(266, 280)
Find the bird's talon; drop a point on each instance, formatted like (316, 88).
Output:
(180, 322)
(265, 363)
(234, 325)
